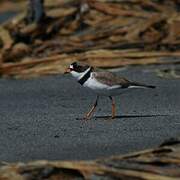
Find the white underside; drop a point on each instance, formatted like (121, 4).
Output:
(103, 89)
(100, 88)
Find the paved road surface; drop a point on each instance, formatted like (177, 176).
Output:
(39, 118)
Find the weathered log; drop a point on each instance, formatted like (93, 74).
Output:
(57, 63)
(36, 12)
(162, 163)
(78, 28)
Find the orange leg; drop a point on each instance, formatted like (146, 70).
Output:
(89, 114)
(113, 107)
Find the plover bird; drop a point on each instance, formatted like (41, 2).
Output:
(103, 83)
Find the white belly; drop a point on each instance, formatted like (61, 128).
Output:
(103, 89)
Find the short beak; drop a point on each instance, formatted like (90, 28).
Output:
(68, 70)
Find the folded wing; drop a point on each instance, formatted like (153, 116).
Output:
(112, 79)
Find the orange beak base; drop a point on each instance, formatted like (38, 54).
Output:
(68, 70)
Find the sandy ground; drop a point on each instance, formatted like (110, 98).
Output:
(40, 118)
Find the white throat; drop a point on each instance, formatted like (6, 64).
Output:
(79, 75)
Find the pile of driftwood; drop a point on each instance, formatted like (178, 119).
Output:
(101, 33)
(162, 163)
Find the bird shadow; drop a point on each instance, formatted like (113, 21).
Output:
(130, 116)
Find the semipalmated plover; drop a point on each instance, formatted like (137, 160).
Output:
(103, 83)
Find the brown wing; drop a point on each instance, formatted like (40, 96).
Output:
(111, 79)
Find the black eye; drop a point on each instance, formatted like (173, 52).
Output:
(74, 65)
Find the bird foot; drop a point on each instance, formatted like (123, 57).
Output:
(86, 117)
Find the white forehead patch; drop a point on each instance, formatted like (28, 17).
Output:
(71, 66)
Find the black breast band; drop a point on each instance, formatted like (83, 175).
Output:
(85, 77)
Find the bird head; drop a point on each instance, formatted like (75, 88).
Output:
(77, 70)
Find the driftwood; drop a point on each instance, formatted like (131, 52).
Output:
(104, 34)
(162, 163)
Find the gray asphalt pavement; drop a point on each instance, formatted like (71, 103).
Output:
(40, 118)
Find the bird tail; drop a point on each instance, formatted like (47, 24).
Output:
(140, 85)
